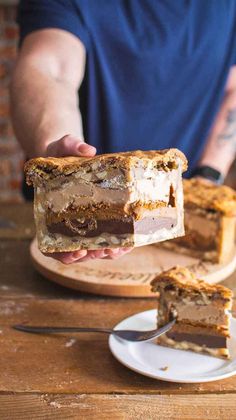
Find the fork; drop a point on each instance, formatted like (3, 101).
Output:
(129, 335)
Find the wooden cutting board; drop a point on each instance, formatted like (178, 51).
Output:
(128, 276)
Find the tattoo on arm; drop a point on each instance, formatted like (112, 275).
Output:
(229, 132)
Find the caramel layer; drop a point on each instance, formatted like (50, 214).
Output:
(103, 211)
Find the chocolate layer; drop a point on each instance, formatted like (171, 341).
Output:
(210, 341)
(91, 228)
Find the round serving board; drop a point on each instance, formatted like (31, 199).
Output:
(128, 276)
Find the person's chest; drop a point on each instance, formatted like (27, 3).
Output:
(160, 30)
(140, 50)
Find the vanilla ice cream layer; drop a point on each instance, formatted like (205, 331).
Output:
(207, 314)
(155, 186)
(78, 194)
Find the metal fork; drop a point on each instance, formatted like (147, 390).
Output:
(129, 335)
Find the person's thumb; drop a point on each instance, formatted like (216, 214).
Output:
(70, 146)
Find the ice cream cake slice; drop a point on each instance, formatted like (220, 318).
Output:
(113, 200)
(210, 222)
(202, 312)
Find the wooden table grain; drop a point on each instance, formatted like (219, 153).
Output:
(76, 377)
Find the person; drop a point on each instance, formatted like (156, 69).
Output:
(119, 75)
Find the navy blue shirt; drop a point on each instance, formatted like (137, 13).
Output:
(155, 69)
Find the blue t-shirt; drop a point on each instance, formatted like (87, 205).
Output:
(155, 69)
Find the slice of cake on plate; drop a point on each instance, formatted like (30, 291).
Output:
(202, 312)
(108, 201)
(210, 222)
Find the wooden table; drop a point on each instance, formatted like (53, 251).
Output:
(63, 376)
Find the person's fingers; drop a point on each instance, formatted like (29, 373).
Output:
(66, 146)
(86, 258)
(127, 249)
(115, 253)
(99, 253)
(86, 150)
(91, 255)
(112, 254)
(71, 257)
(67, 257)
(70, 146)
(77, 256)
(84, 255)
(95, 254)
(112, 251)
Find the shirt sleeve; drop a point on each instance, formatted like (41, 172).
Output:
(34, 15)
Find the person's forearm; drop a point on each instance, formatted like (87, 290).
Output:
(43, 109)
(220, 148)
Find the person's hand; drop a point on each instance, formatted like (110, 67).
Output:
(84, 255)
(71, 146)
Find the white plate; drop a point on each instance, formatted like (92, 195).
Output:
(149, 359)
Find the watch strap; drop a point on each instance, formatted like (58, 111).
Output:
(209, 173)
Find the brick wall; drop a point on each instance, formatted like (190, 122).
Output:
(11, 156)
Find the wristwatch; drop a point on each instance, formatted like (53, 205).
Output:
(209, 173)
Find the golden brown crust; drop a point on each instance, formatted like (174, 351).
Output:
(183, 278)
(51, 167)
(204, 195)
